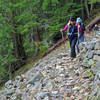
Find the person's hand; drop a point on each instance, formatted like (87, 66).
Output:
(69, 22)
(61, 30)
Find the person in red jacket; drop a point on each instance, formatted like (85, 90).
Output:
(72, 35)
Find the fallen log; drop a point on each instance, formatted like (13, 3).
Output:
(58, 44)
(93, 22)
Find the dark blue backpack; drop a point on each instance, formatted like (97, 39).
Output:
(82, 27)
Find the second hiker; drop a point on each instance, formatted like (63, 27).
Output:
(81, 29)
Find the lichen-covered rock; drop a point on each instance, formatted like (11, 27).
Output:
(90, 45)
(37, 77)
(90, 54)
(97, 52)
(97, 65)
(97, 46)
(96, 57)
(91, 62)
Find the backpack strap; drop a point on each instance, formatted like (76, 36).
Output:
(71, 32)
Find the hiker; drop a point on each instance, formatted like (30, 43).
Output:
(81, 29)
(72, 35)
(96, 28)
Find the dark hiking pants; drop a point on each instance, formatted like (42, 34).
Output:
(73, 42)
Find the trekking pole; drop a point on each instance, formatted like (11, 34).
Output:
(63, 40)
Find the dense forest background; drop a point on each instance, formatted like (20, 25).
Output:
(29, 27)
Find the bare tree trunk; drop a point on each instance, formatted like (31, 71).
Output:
(87, 9)
(82, 10)
(38, 34)
(18, 52)
(41, 2)
(91, 8)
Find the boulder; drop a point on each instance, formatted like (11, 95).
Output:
(90, 53)
(37, 77)
(96, 57)
(97, 46)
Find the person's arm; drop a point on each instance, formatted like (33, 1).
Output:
(65, 28)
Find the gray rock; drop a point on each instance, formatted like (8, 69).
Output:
(43, 95)
(97, 52)
(97, 46)
(49, 86)
(81, 45)
(9, 91)
(48, 67)
(38, 76)
(96, 57)
(25, 96)
(2, 96)
(46, 98)
(94, 39)
(98, 75)
(91, 62)
(18, 91)
(97, 64)
(90, 45)
(18, 78)
(97, 32)
(94, 69)
(36, 87)
(8, 84)
(85, 62)
(13, 97)
(90, 54)
(85, 75)
(98, 97)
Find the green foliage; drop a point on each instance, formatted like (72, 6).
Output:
(68, 45)
(3, 72)
(89, 73)
(43, 48)
(45, 5)
(94, 1)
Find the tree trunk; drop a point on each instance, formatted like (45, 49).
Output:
(38, 34)
(18, 46)
(91, 8)
(82, 11)
(93, 22)
(41, 2)
(18, 52)
(87, 9)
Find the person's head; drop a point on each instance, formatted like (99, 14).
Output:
(72, 20)
(79, 20)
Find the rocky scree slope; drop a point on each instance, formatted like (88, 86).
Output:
(56, 77)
